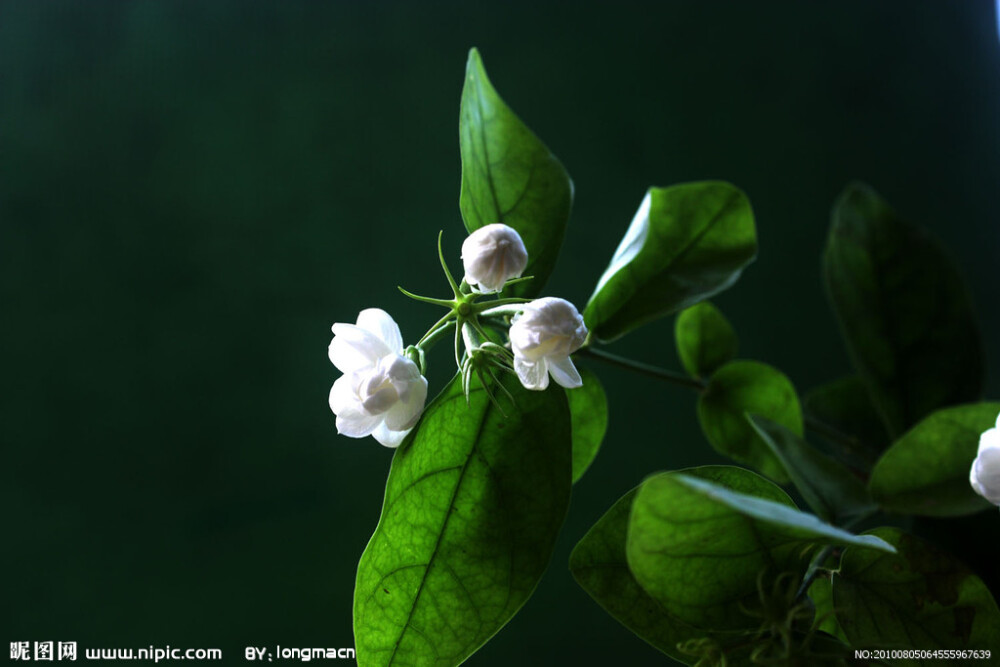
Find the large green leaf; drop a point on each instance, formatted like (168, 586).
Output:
(698, 548)
(686, 243)
(845, 406)
(705, 339)
(918, 598)
(740, 387)
(927, 470)
(829, 488)
(904, 311)
(588, 407)
(509, 176)
(473, 504)
(598, 564)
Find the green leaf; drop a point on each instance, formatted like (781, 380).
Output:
(598, 564)
(829, 488)
(740, 387)
(926, 471)
(705, 339)
(509, 176)
(685, 244)
(821, 594)
(588, 408)
(845, 406)
(903, 309)
(698, 548)
(918, 598)
(473, 504)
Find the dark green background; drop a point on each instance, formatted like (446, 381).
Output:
(192, 193)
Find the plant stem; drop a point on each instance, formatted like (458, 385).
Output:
(444, 265)
(645, 369)
(435, 334)
(814, 569)
(434, 329)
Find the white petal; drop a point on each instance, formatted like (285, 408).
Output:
(974, 479)
(985, 475)
(388, 437)
(564, 373)
(399, 369)
(342, 395)
(533, 375)
(990, 439)
(548, 327)
(381, 400)
(998, 421)
(404, 415)
(354, 349)
(357, 424)
(382, 325)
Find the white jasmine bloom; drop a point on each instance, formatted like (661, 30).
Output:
(542, 337)
(381, 393)
(985, 473)
(492, 255)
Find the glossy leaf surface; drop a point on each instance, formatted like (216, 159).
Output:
(705, 339)
(742, 387)
(904, 311)
(927, 470)
(599, 565)
(918, 598)
(698, 548)
(473, 504)
(509, 176)
(828, 487)
(685, 244)
(588, 407)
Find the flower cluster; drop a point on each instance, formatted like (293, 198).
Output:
(383, 390)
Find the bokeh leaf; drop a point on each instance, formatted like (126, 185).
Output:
(705, 339)
(827, 486)
(598, 564)
(698, 548)
(844, 405)
(903, 309)
(740, 387)
(473, 504)
(821, 594)
(917, 598)
(926, 471)
(509, 176)
(685, 244)
(588, 408)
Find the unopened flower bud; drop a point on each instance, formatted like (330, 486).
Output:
(492, 255)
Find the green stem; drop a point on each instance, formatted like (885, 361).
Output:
(514, 281)
(435, 334)
(427, 299)
(814, 569)
(444, 265)
(487, 305)
(645, 369)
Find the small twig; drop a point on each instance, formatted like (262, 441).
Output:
(645, 369)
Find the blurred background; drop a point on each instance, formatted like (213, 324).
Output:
(192, 193)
